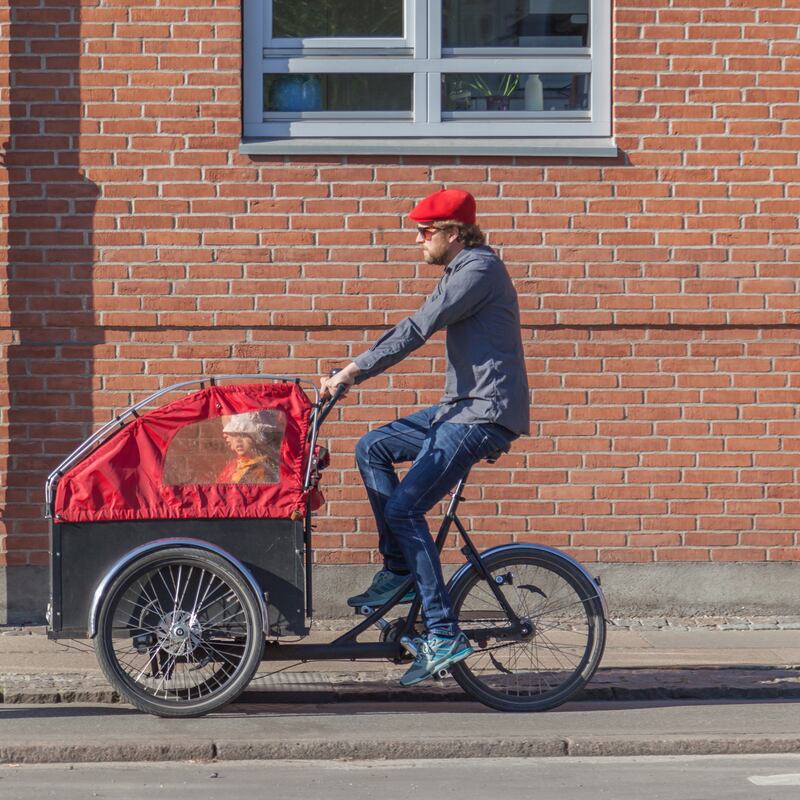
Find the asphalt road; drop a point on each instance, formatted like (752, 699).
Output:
(634, 778)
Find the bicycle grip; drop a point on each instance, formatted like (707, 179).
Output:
(334, 398)
(339, 391)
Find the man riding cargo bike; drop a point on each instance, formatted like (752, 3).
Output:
(200, 564)
(484, 408)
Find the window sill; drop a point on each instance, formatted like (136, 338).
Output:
(594, 147)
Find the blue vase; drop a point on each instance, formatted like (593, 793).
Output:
(296, 93)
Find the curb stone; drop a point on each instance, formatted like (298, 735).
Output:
(682, 746)
(322, 749)
(370, 750)
(94, 752)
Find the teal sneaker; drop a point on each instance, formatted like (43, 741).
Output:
(384, 585)
(435, 653)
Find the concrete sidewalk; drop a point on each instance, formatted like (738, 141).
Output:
(651, 659)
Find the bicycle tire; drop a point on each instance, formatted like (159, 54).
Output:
(566, 614)
(179, 633)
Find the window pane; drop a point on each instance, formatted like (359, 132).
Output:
(515, 23)
(515, 92)
(243, 448)
(338, 92)
(300, 19)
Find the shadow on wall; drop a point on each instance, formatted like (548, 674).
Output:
(51, 330)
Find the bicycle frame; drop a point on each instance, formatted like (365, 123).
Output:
(347, 645)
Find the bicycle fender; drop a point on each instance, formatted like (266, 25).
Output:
(162, 544)
(534, 549)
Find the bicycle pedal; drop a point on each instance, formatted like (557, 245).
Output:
(441, 674)
(409, 646)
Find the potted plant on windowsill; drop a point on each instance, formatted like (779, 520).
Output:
(497, 97)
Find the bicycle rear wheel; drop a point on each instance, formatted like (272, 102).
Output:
(560, 605)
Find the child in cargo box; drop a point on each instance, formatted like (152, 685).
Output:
(255, 438)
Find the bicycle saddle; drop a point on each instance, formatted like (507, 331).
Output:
(495, 454)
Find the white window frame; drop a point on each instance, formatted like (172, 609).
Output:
(420, 54)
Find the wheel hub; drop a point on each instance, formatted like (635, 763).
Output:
(180, 633)
(526, 628)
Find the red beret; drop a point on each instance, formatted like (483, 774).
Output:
(446, 204)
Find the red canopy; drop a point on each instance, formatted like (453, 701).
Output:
(124, 478)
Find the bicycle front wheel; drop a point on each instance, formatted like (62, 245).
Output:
(561, 609)
(179, 633)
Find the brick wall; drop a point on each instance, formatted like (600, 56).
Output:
(659, 290)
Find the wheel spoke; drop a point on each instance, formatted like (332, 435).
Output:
(221, 656)
(221, 599)
(217, 619)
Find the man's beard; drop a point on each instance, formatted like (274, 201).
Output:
(439, 259)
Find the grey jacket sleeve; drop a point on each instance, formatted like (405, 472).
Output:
(458, 296)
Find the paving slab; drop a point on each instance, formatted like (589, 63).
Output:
(734, 639)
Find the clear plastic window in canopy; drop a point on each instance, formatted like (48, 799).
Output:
(413, 68)
(241, 448)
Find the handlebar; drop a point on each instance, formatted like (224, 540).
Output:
(325, 408)
(328, 407)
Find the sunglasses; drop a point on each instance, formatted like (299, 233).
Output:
(427, 231)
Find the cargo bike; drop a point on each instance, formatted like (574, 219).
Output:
(182, 544)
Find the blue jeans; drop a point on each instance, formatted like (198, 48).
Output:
(442, 453)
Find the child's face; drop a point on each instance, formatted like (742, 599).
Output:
(240, 443)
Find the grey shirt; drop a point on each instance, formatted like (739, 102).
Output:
(485, 379)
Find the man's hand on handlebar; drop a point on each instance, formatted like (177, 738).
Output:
(346, 376)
